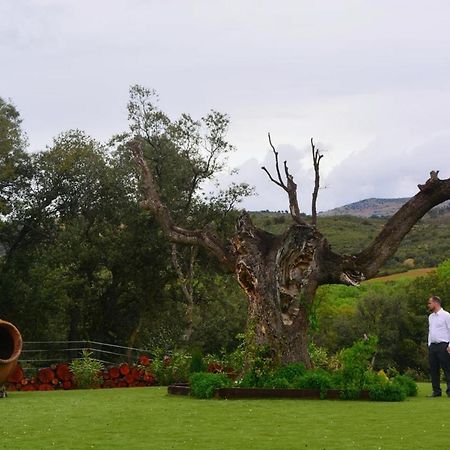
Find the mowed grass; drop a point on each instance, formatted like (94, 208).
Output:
(147, 418)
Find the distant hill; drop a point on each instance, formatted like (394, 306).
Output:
(375, 207)
(426, 245)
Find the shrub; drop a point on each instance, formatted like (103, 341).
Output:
(204, 384)
(371, 378)
(277, 383)
(356, 361)
(290, 372)
(318, 355)
(173, 368)
(443, 270)
(350, 392)
(315, 379)
(197, 363)
(387, 392)
(280, 383)
(249, 379)
(407, 384)
(86, 371)
(254, 378)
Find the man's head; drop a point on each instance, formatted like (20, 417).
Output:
(434, 303)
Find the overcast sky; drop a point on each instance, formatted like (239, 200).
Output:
(369, 80)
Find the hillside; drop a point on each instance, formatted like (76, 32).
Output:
(427, 244)
(375, 207)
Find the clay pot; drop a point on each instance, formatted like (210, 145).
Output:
(10, 348)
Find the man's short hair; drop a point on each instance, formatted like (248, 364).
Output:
(436, 299)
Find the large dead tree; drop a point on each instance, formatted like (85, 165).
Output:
(280, 274)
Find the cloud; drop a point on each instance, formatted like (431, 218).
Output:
(370, 80)
(385, 169)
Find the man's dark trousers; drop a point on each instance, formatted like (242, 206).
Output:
(439, 358)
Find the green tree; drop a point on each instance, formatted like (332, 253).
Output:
(14, 161)
(186, 154)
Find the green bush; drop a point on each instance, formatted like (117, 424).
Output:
(356, 361)
(248, 380)
(171, 368)
(197, 363)
(315, 379)
(387, 392)
(204, 384)
(371, 378)
(407, 384)
(86, 371)
(255, 378)
(350, 392)
(318, 355)
(443, 270)
(290, 372)
(277, 383)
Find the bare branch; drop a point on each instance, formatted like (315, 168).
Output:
(290, 187)
(277, 165)
(204, 238)
(432, 193)
(316, 164)
(282, 186)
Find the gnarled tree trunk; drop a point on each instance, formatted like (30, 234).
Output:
(280, 275)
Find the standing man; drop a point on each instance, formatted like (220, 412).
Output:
(438, 344)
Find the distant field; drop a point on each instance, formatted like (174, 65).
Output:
(428, 243)
(147, 418)
(404, 275)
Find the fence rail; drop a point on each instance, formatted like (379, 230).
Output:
(38, 354)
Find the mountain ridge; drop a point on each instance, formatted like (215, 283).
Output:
(376, 207)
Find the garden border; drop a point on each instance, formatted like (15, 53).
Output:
(249, 393)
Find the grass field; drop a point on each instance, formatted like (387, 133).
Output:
(403, 275)
(147, 418)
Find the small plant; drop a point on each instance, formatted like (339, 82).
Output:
(357, 361)
(407, 384)
(278, 383)
(387, 392)
(204, 384)
(255, 378)
(350, 392)
(86, 371)
(290, 372)
(315, 379)
(197, 362)
(173, 368)
(257, 361)
(318, 355)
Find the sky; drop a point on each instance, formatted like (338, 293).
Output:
(368, 80)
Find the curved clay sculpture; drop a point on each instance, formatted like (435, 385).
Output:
(10, 348)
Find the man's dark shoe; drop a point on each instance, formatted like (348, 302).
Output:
(436, 394)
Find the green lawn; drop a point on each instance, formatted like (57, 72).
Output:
(137, 418)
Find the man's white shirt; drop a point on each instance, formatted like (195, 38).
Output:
(439, 327)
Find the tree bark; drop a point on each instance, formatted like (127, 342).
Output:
(280, 275)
